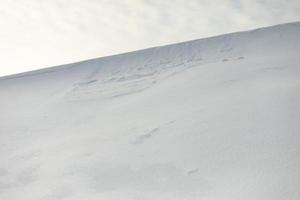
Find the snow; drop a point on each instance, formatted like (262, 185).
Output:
(215, 118)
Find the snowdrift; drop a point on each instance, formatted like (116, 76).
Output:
(215, 118)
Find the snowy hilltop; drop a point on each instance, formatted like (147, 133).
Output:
(215, 118)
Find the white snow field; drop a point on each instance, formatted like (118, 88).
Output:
(210, 119)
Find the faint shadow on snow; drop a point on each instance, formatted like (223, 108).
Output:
(4, 184)
(3, 172)
(12, 180)
(192, 171)
(156, 177)
(88, 82)
(58, 194)
(142, 138)
(27, 176)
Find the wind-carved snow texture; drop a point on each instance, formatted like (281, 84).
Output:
(216, 118)
(140, 139)
(120, 83)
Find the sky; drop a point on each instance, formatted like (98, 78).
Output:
(41, 33)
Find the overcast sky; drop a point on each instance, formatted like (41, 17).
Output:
(42, 33)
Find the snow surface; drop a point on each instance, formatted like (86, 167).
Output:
(216, 118)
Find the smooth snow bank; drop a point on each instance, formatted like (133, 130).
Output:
(216, 118)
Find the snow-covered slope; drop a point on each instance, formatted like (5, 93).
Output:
(216, 118)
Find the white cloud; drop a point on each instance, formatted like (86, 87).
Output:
(35, 33)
